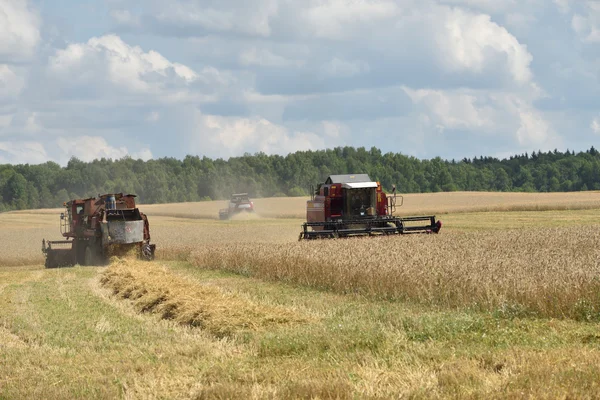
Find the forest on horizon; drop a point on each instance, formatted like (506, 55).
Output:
(169, 180)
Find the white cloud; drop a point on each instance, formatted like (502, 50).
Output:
(251, 18)
(424, 33)
(335, 19)
(507, 117)
(534, 130)
(340, 68)
(143, 154)
(11, 83)
(387, 32)
(229, 136)
(32, 125)
(153, 116)
(458, 39)
(22, 152)
(595, 125)
(302, 74)
(19, 30)
(489, 6)
(125, 17)
(88, 148)
(334, 130)
(5, 121)
(520, 22)
(266, 58)
(453, 109)
(467, 39)
(563, 5)
(124, 66)
(587, 25)
(107, 69)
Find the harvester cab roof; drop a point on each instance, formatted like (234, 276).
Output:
(239, 197)
(346, 179)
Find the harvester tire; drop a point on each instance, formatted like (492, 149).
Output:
(93, 254)
(90, 256)
(79, 247)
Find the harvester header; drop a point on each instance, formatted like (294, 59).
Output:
(348, 205)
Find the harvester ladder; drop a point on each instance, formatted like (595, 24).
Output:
(65, 221)
(392, 203)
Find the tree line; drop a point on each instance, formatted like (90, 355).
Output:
(194, 178)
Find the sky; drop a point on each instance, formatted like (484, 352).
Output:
(221, 78)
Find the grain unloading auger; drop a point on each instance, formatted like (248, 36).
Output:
(351, 205)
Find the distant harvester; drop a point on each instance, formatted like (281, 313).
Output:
(239, 202)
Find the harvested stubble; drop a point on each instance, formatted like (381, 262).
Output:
(155, 289)
(551, 272)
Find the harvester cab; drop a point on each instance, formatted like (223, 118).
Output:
(349, 205)
(96, 228)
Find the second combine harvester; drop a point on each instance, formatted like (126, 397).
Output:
(96, 228)
(349, 205)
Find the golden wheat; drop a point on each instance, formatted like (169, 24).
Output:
(278, 207)
(550, 272)
(453, 202)
(283, 341)
(21, 237)
(155, 289)
(536, 269)
(295, 207)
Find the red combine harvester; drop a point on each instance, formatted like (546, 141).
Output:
(349, 205)
(93, 228)
(238, 203)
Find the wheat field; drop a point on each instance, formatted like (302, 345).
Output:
(278, 220)
(452, 202)
(503, 303)
(541, 262)
(549, 272)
